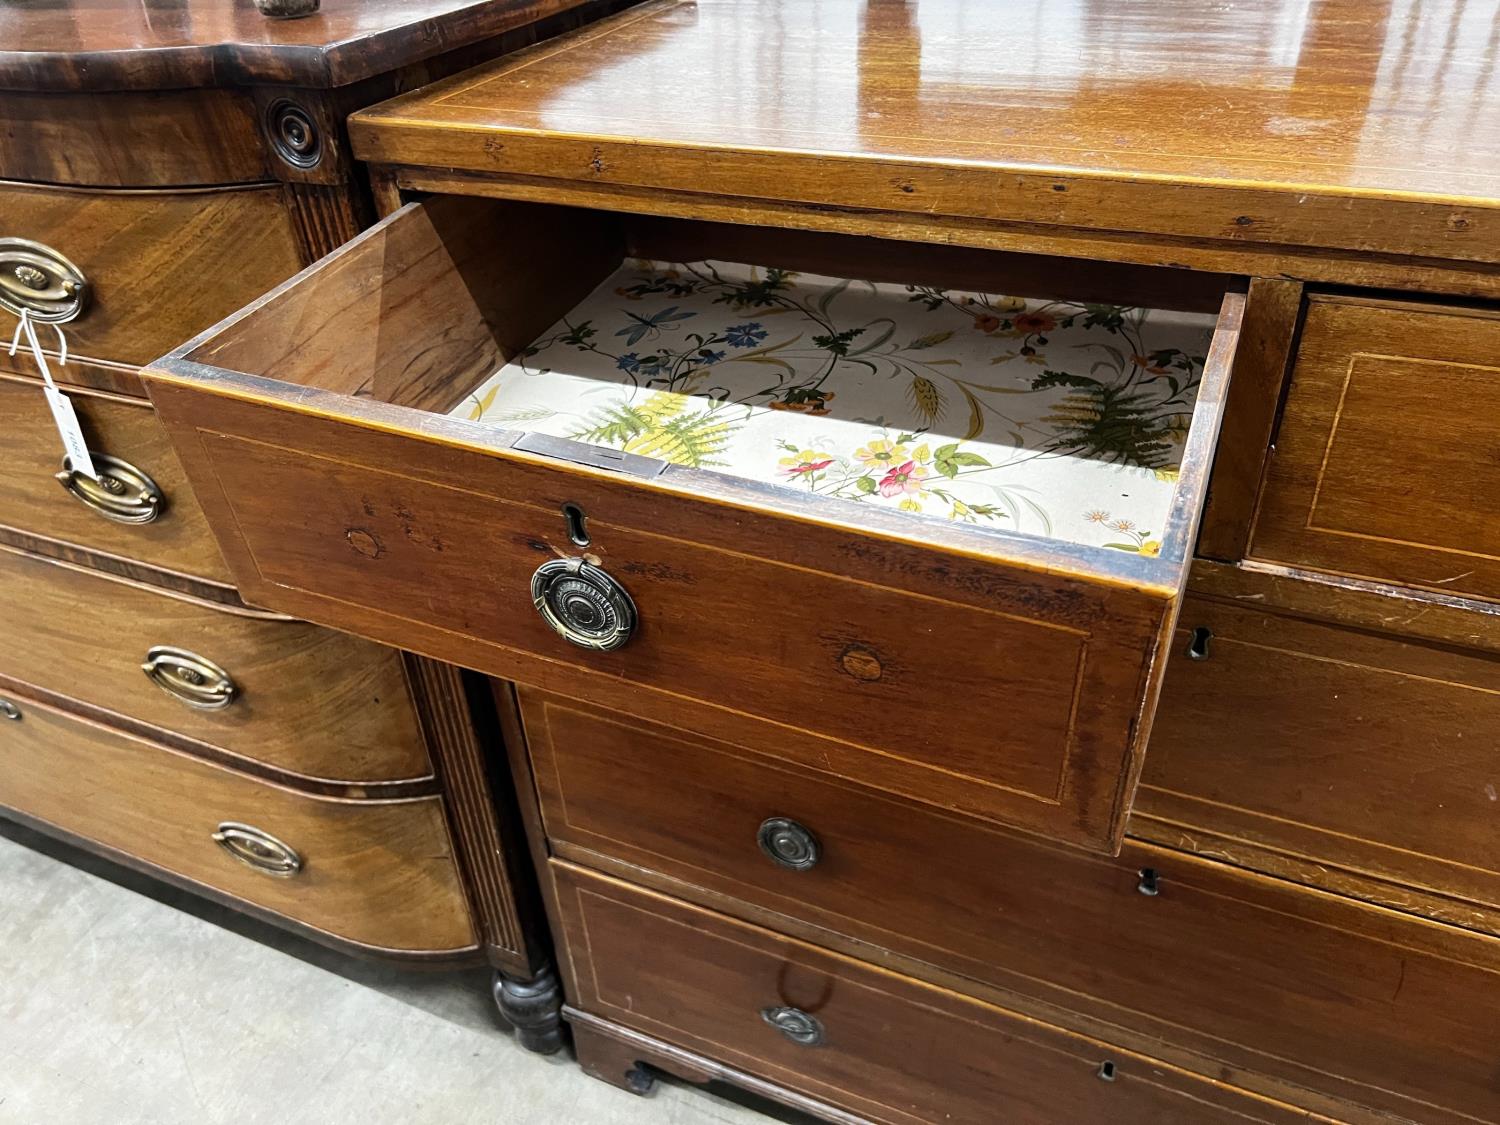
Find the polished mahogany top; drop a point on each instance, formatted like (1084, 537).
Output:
(1369, 125)
(157, 44)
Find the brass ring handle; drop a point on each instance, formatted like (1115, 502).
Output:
(258, 849)
(583, 604)
(802, 1028)
(122, 493)
(39, 280)
(788, 843)
(186, 676)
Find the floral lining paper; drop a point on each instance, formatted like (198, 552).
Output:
(1053, 418)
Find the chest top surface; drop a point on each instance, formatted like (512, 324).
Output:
(148, 44)
(1350, 112)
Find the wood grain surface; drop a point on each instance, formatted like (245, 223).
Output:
(159, 44)
(895, 1051)
(1387, 463)
(309, 701)
(1350, 754)
(1291, 126)
(377, 873)
(161, 266)
(139, 139)
(31, 500)
(1291, 986)
(400, 510)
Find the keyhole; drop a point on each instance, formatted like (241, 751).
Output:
(1107, 1070)
(577, 532)
(1198, 646)
(1150, 882)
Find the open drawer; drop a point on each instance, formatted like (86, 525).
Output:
(903, 529)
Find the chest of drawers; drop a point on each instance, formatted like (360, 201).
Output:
(161, 166)
(963, 647)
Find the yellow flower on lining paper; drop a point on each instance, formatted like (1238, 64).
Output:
(881, 453)
(1151, 547)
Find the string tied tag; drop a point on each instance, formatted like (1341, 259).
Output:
(63, 414)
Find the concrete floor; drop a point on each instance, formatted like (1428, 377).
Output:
(124, 1002)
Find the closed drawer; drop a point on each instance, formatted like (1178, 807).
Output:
(379, 873)
(296, 697)
(1387, 463)
(156, 266)
(1298, 989)
(829, 589)
(887, 1047)
(1342, 752)
(32, 499)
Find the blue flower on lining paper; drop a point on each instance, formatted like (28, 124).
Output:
(744, 335)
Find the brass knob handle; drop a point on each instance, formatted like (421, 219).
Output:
(583, 604)
(122, 493)
(258, 849)
(802, 1028)
(788, 843)
(9, 710)
(186, 676)
(41, 281)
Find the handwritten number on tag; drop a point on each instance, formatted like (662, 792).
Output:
(63, 414)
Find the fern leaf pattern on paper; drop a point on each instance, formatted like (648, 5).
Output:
(1031, 415)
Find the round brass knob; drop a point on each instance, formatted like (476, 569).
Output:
(9, 710)
(802, 1028)
(583, 604)
(122, 493)
(788, 843)
(186, 676)
(258, 849)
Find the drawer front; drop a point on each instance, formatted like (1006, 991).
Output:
(300, 698)
(887, 1047)
(1303, 988)
(1348, 751)
(33, 501)
(374, 872)
(1387, 463)
(832, 624)
(158, 266)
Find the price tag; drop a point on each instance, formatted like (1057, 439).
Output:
(63, 414)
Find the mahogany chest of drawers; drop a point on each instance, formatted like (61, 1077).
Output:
(162, 165)
(985, 581)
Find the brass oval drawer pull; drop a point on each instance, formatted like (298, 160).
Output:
(258, 849)
(41, 281)
(788, 843)
(185, 675)
(122, 493)
(583, 604)
(802, 1028)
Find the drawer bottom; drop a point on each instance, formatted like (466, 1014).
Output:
(377, 874)
(830, 1028)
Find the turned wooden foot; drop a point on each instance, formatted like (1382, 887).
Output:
(610, 1060)
(534, 1008)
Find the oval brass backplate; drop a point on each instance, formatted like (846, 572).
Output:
(41, 281)
(258, 849)
(122, 493)
(193, 679)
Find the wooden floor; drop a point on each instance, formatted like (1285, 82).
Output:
(124, 1003)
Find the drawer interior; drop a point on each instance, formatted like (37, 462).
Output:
(1005, 391)
(822, 507)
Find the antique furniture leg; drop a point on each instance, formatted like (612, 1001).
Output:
(533, 1006)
